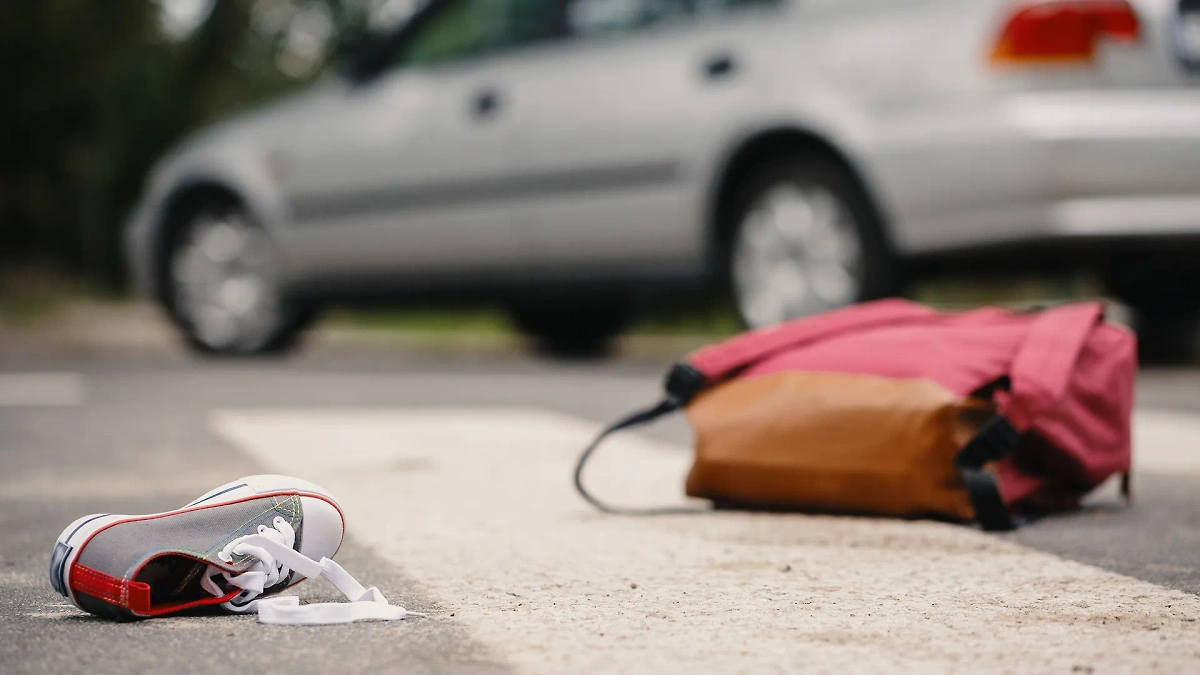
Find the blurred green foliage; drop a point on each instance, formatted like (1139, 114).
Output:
(94, 92)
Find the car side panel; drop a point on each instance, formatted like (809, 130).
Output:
(640, 111)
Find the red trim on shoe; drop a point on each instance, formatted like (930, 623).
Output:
(180, 606)
(131, 595)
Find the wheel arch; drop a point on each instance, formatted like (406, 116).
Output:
(764, 146)
(171, 217)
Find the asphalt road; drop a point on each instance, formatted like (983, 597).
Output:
(133, 434)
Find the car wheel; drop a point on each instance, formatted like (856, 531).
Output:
(804, 240)
(580, 329)
(1166, 339)
(1166, 312)
(222, 284)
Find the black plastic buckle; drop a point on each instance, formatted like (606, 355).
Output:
(994, 440)
(683, 383)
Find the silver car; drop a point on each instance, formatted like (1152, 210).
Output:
(569, 158)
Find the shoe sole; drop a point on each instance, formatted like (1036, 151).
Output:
(315, 500)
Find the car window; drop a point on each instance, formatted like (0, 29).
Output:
(718, 6)
(605, 17)
(601, 17)
(468, 28)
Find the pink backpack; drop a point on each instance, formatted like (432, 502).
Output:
(1061, 381)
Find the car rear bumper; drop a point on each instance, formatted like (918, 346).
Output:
(1123, 216)
(1050, 165)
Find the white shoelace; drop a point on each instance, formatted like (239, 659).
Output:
(274, 558)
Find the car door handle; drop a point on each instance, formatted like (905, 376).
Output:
(720, 66)
(485, 104)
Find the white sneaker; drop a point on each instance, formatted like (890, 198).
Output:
(237, 546)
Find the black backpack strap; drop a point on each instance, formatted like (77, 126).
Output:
(682, 384)
(995, 440)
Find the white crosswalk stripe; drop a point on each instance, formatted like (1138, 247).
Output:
(1166, 442)
(477, 504)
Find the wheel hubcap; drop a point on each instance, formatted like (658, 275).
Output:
(797, 252)
(225, 281)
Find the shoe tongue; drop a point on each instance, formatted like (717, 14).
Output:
(240, 563)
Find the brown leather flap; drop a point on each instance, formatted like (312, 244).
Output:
(833, 442)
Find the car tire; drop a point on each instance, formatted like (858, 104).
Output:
(803, 238)
(220, 283)
(1166, 314)
(579, 329)
(1166, 339)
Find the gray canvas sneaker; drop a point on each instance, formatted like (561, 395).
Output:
(236, 546)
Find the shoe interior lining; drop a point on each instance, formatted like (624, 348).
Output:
(173, 579)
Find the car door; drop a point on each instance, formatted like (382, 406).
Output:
(616, 121)
(396, 174)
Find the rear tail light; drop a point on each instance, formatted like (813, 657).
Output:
(1063, 31)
